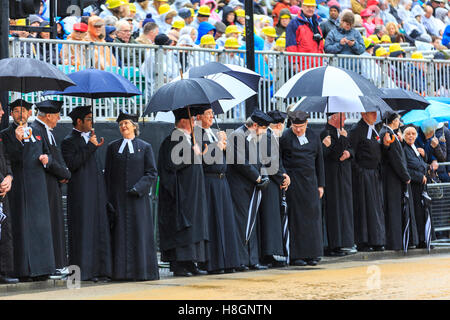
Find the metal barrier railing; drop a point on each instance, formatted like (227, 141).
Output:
(149, 67)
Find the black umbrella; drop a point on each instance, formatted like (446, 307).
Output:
(401, 99)
(252, 213)
(184, 92)
(406, 220)
(285, 225)
(426, 202)
(28, 75)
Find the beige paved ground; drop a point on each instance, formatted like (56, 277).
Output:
(425, 277)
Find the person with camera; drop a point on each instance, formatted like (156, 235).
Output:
(345, 39)
(303, 34)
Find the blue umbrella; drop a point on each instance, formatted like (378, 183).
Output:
(97, 84)
(436, 110)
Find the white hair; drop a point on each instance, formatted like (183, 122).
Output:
(188, 31)
(111, 21)
(186, 40)
(121, 24)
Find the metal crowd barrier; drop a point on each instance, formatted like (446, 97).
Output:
(150, 66)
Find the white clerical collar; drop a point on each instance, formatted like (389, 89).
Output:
(370, 130)
(413, 146)
(338, 134)
(126, 142)
(51, 139)
(186, 134)
(211, 135)
(302, 139)
(85, 135)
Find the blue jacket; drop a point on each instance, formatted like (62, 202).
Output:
(204, 28)
(333, 45)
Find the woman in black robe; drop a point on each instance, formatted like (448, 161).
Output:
(130, 171)
(417, 168)
(395, 178)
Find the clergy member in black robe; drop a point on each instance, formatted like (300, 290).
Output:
(338, 198)
(6, 240)
(182, 206)
(56, 174)
(395, 178)
(130, 171)
(301, 153)
(370, 232)
(246, 181)
(30, 218)
(270, 229)
(223, 250)
(88, 224)
(417, 168)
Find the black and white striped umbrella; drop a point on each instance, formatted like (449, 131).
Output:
(327, 81)
(342, 104)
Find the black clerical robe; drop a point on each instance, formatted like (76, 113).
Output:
(88, 224)
(54, 173)
(304, 165)
(6, 241)
(134, 251)
(338, 197)
(182, 206)
(30, 218)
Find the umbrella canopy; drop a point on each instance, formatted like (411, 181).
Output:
(436, 110)
(28, 75)
(342, 104)
(184, 92)
(97, 84)
(247, 76)
(327, 81)
(401, 99)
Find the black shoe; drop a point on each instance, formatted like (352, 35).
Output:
(299, 263)
(182, 272)
(192, 268)
(348, 251)
(40, 278)
(378, 248)
(365, 249)
(242, 268)
(258, 267)
(94, 279)
(312, 262)
(336, 253)
(278, 264)
(104, 279)
(230, 270)
(25, 279)
(8, 280)
(216, 272)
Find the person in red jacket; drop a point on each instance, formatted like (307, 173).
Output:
(303, 34)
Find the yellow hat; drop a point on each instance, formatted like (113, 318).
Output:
(283, 35)
(204, 11)
(309, 3)
(368, 42)
(381, 52)
(281, 42)
(178, 24)
(231, 43)
(240, 13)
(286, 16)
(269, 31)
(375, 38)
(232, 29)
(417, 55)
(207, 39)
(21, 22)
(386, 38)
(132, 7)
(115, 3)
(164, 8)
(395, 47)
(192, 12)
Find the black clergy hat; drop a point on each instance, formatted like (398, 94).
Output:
(49, 106)
(127, 116)
(80, 112)
(181, 113)
(277, 116)
(20, 103)
(390, 116)
(298, 116)
(199, 109)
(260, 118)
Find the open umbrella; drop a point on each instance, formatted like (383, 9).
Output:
(342, 104)
(326, 82)
(29, 75)
(285, 225)
(185, 92)
(97, 84)
(401, 99)
(436, 110)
